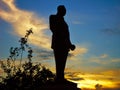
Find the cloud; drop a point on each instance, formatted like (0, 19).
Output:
(77, 22)
(98, 87)
(94, 80)
(104, 56)
(115, 60)
(22, 20)
(112, 31)
(105, 61)
(43, 54)
(73, 76)
(112, 73)
(101, 59)
(78, 51)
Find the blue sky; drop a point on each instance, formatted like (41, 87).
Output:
(94, 27)
(87, 20)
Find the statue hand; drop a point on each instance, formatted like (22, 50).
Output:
(72, 47)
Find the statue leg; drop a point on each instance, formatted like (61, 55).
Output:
(60, 61)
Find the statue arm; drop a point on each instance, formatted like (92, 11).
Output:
(72, 46)
(52, 23)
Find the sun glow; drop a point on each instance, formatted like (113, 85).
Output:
(93, 81)
(92, 84)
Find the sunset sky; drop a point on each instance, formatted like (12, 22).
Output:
(94, 27)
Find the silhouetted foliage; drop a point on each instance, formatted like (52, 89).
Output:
(26, 76)
(30, 76)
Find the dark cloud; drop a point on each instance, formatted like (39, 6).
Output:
(112, 31)
(76, 78)
(73, 76)
(43, 54)
(98, 87)
(46, 54)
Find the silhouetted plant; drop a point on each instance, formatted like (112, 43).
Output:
(31, 76)
(9, 66)
(23, 44)
(27, 75)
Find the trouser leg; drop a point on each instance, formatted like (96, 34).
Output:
(60, 61)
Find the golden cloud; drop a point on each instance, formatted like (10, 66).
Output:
(90, 80)
(79, 51)
(22, 20)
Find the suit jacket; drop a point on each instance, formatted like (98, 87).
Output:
(60, 37)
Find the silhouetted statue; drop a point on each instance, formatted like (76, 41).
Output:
(61, 43)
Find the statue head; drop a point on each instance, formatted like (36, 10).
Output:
(61, 10)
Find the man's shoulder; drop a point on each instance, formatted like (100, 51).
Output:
(52, 16)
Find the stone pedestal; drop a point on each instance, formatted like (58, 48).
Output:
(60, 86)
